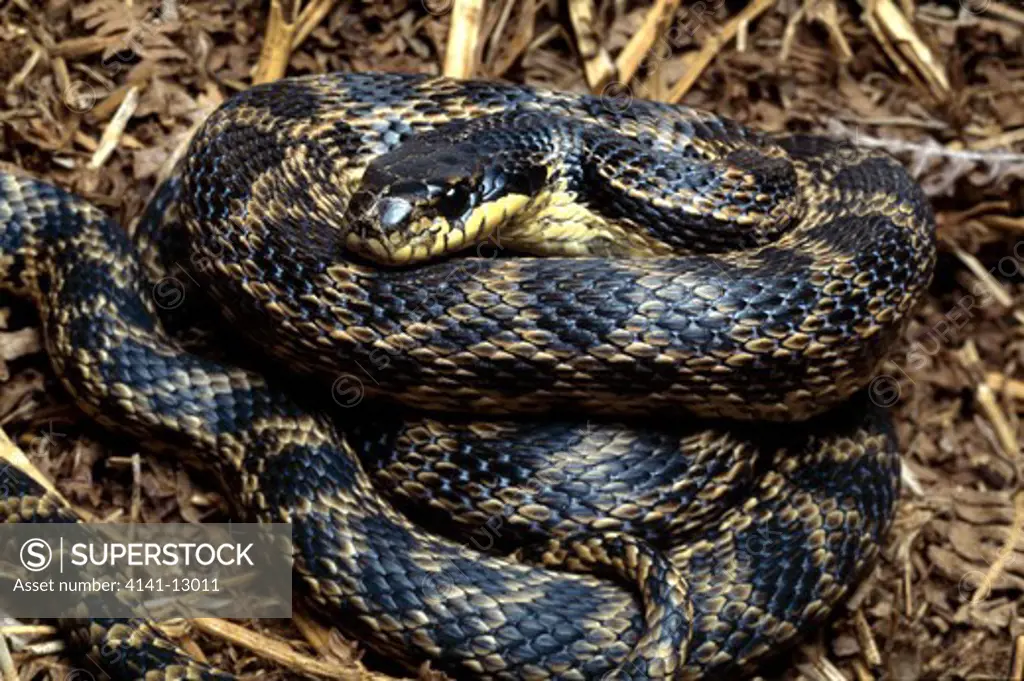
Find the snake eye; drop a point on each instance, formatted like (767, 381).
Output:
(457, 201)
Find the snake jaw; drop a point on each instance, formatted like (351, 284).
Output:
(425, 238)
(412, 222)
(421, 238)
(397, 219)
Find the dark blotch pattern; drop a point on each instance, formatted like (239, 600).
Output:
(779, 329)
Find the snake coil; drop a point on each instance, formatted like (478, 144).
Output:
(700, 281)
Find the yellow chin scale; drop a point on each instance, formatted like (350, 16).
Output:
(427, 239)
(489, 220)
(557, 224)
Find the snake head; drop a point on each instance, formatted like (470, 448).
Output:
(417, 203)
(401, 225)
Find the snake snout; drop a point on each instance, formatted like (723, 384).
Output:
(410, 220)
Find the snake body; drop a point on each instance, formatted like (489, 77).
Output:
(692, 268)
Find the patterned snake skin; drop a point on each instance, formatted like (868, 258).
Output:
(694, 268)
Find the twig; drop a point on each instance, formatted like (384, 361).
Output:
(315, 633)
(955, 218)
(1010, 387)
(1004, 11)
(999, 164)
(76, 48)
(908, 577)
(1005, 554)
(28, 630)
(511, 48)
(655, 24)
(895, 121)
(498, 28)
(970, 359)
(277, 43)
(597, 64)
(463, 36)
(1017, 660)
(310, 18)
(865, 639)
(695, 63)
(112, 135)
(997, 290)
(7, 668)
(135, 511)
(61, 75)
(1004, 140)
(1003, 222)
(860, 671)
(887, 45)
(987, 400)
(824, 12)
(888, 23)
(44, 648)
(276, 651)
(26, 68)
(818, 667)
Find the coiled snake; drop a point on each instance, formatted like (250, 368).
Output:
(695, 268)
